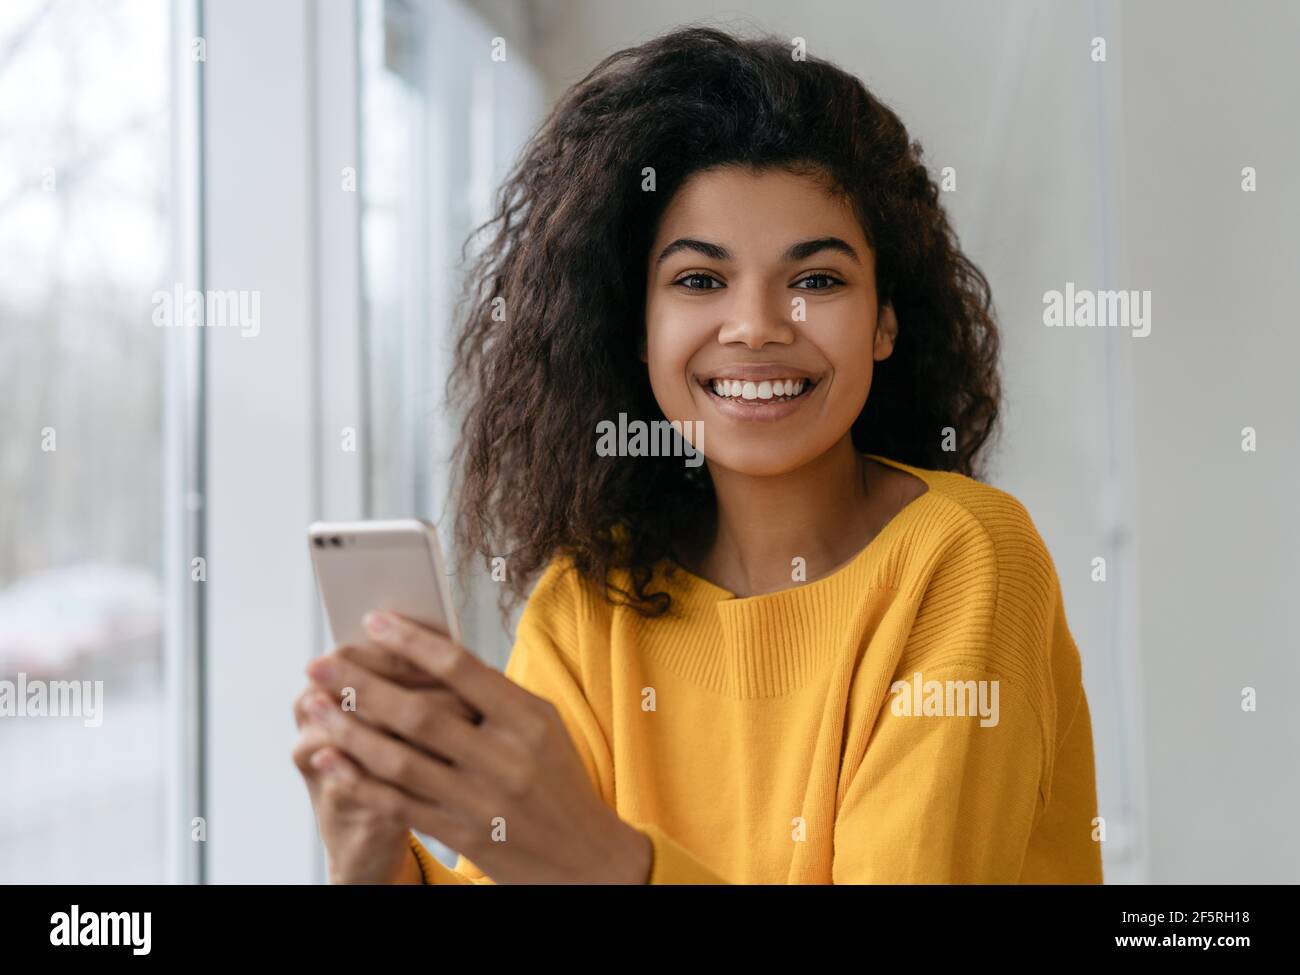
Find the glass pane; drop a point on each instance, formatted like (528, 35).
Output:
(392, 241)
(85, 243)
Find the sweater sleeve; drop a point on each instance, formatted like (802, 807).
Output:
(943, 793)
(433, 871)
(672, 863)
(942, 799)
(544, 660)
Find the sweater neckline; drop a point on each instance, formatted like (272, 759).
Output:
(878, 543)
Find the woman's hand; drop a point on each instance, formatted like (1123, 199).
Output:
(508, 791)
(362, 844)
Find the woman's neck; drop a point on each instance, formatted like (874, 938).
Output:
(823, 513)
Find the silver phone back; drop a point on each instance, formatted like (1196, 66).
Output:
(394, 565)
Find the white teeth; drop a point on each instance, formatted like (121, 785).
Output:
(756, 390)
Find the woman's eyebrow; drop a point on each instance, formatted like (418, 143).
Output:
(807, 248)
(795, 252)
(714, 252)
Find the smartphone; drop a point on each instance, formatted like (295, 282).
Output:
(392, 565)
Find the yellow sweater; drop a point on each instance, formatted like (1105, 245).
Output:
(916, 716)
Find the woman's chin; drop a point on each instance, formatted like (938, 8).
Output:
(758, 460)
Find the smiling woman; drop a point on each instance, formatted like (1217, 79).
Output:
(790, 219)
(698, 690)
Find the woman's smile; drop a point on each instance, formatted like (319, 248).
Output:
(757, 398)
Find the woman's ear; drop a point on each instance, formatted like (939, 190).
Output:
(886, 333)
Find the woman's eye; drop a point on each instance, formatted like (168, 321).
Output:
(830, 282)
(697, 277)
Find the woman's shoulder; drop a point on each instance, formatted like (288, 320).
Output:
(988, 594)
(974, 522)
(581, 608)
(563, 597)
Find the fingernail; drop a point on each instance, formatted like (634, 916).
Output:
(375, 623)
(320, 708)
(323, 761)
(322, 670)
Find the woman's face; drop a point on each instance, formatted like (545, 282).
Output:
(762, 320)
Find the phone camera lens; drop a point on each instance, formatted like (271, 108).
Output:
(320, 542)
(337, 541)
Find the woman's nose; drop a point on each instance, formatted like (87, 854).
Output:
(757, 319)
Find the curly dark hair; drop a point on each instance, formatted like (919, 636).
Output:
(554, 307)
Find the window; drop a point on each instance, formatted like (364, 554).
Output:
(86, 243)
(392, 180)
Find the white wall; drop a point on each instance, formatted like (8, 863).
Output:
(1211, 89)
